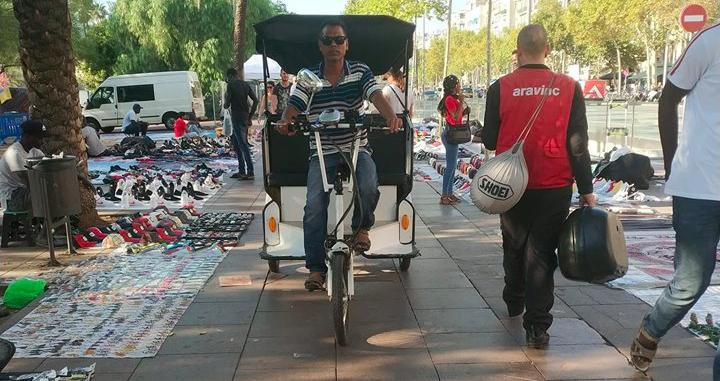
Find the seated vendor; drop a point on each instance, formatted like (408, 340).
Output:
(14, 189)
(183, 128)
(95, 147)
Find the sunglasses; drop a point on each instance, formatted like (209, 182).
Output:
(328, 40)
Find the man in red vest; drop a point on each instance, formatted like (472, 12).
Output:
(556, 153)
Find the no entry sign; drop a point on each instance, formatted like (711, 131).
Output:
(693, 17)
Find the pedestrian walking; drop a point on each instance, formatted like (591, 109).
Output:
(394, 92)
(269, 101)
(452, 111)
(282, 91)
(236, 98)
(692, 170)
(556, 152)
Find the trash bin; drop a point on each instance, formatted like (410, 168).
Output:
(57, 180)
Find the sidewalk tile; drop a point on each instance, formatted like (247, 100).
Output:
(581, 362)
(452, 279)
(102, 365)
(293, 324)
(205, 339)
(23, 364)
(316, 374)
(488, 372)
(682, 369)
(433, 299)
(357, 365)
(286, 353)
(112, 376)
(218, 314)
(458, 321)
(208, 367)
(474, 348)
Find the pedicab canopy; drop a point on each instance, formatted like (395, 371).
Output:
(381, 42)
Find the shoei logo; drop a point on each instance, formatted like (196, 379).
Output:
(530, 91)
(494, 189)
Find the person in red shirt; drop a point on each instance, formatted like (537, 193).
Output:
(556, 154)
(450, 107)
(180, 126)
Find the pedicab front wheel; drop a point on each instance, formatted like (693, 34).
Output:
(405, 264)
(340, 300)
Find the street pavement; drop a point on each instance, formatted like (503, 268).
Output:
(442, 320)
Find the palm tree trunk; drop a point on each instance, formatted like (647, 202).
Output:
(239, 35)
(48, 65)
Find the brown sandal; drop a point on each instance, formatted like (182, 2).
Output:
(362, 241)
(446, 200)
(641, 356)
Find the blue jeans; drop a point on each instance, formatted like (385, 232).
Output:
(697, 232)
(316, 217)
(242, 147)
(451, 158)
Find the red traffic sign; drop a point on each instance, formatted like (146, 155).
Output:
(693, 17)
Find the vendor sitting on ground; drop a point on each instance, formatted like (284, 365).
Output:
(14, 188)
(182, 128)
(132, 125)
(94, 146)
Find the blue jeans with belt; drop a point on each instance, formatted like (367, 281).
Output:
(451, 158)
(697, 232)
(316, 217)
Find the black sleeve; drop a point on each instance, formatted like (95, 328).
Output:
(254, 99)
(491, 127)
(577, 143)
(668, 122)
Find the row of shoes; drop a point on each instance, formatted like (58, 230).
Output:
(159, 225)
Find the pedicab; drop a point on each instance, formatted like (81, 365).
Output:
(381, 42)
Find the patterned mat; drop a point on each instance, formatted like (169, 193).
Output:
(116, 305)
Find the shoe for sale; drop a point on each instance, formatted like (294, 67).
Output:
(537, 338)
(83, 242)
(95, 234)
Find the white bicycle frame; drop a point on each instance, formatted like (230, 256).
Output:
(339, 210)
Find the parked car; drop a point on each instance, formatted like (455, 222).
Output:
(430, 95)
(467, 92)
(162, 96)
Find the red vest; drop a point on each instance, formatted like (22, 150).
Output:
(546, 146)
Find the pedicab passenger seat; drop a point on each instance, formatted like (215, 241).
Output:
(289, 156)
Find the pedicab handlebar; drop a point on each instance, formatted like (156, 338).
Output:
(332, 119)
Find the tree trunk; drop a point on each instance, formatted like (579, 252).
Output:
(239, 35)
(618, 88)
(48, 65)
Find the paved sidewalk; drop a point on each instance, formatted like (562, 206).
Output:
(442, 320)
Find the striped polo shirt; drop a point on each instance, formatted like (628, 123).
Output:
(356, 84)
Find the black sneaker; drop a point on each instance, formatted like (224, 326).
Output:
(537, 338)
(247, 177)
(237, 175)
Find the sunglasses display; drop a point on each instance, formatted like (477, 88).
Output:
(328, 40)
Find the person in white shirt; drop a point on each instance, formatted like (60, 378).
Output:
(132, 125)
(95, 147)
(692, 170)
(394, 92)
(14, 188)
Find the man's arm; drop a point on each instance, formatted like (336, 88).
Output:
(577, 143)
(491, 127)
(254, 100)
(668, 122)
(381, 104)
(226, 104)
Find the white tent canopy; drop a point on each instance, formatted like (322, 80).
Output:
(253, 68)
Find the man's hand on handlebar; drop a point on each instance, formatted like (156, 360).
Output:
(395, 124)
(283, 127)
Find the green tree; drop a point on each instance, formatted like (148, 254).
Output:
(9, 58)
(403, 9)
(604, 27)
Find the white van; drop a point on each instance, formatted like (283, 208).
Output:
(162, 96)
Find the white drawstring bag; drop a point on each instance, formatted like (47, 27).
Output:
(227, 123)
(501, 181)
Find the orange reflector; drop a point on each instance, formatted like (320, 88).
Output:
(405, 222)
(272, 224)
